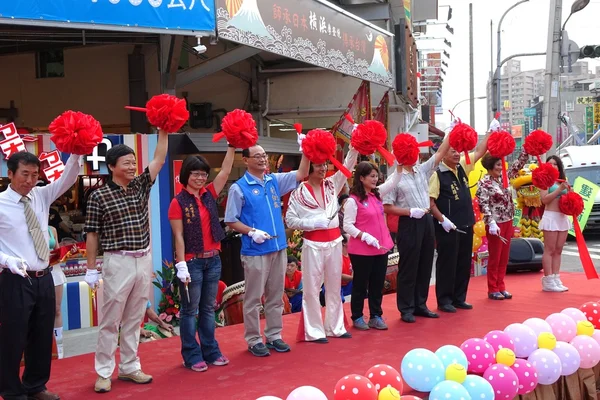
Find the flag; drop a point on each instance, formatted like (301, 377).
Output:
(381, 115)
(360, 110)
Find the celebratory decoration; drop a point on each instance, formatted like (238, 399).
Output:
(450, 354)
(563, 326)
(406, 148)
(544, 176)
(585, 328)
(547, 365)
(170, 300)
(527, 375)
(524, 338)
(479, 353)
(478, 388)
(506, 357)
(591, 311)
(388, 393)
(306, 393)
(75, 132)
(449, 390)
(353, 387)
(239, 128)
(575, 314)
(529, 201)
(422, 369)
(569, 357)
(504, 381)
(499, 340)
(546, 341)
(463, 138)
(588, 349)
(166, 112)
(382, 376)
(500, 145)
(456, 373)
(537, 143)
(319, 146)
(369, 137)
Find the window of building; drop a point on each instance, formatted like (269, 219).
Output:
(49, 64)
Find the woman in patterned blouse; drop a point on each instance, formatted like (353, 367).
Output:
(497, 207)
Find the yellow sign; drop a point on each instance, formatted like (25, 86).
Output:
(585, 100)
(596, 113)
(588, 191)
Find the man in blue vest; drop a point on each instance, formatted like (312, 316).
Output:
(254, 209)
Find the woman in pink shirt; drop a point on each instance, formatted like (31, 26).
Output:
(370, 242)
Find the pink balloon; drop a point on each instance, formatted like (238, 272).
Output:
(574, 313)
(504, 381)
(268, 398)
(480, 355)
(528, 378)
(483, 247)
(306, 393)
(588, 349)
(547, 365)
(596, 335)
(538, 325)
(563, 326)
(499, 340)
(569, 357)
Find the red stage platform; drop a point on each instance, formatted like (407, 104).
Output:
(249, 377)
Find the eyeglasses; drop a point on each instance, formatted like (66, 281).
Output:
(262, 156)
(201, 175)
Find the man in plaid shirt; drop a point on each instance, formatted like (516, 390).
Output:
(117, 218)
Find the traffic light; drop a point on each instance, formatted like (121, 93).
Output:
(589, 51)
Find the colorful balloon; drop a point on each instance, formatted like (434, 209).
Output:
(585, 328)
(382, 376)
(506, 357)
(268, 398)
(422, 370)
(476, 243)
(547, 365)
(388, 393)
(563, 326)
(538, 325)
(450, 354)
(570, 359)
(528, 377)
(478, 388)
(499, 340)
(479, 229)
(480, 355)
(449, 390)
(575, 314)
(456, 373)
(307, 393)
(354, 387)
(588, 349)
(591, 310)
(504, 381)
(596, 335)
(546, 341)
(524, 338)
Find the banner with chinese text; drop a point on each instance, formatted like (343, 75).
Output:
(381, 114)
(359, 109)
(588, 192)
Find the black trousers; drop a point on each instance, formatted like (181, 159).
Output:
(369, 272)
(453, 266)
(26, 323)
(415, 242)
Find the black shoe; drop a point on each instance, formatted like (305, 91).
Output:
(321, 340)
(426, 313)
(506, 295)
(408, 318)
(463, 305)
(279, 346)
(259, 350)
(449, 308)
(346, 335)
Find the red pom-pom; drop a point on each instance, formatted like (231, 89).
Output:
(406, 149)
(544, 176)
(239, 128)
(501, 144)
(463, 138)
(537, 143)
(368, 137)
(318, 146)
(167, 112)
(75, 132)
(571, 204)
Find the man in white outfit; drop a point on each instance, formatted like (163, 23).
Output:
(313, 208)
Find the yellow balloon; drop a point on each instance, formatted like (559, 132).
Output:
(476, 243)
(475, 176)
(456, 372)
(506, 356)
(546, 340)
(388, 393)
(479, 229)
(585, 328)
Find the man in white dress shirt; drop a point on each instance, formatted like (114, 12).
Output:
(27, 304)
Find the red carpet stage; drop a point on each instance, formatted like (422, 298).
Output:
(321, 365)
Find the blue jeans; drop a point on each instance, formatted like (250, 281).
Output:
(205, 274)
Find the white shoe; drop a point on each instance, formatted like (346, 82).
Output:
(549, 285)
(559, 283)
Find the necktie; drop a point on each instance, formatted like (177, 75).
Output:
(41, 246)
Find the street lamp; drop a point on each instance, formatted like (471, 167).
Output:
(462, 101)
(577, 6)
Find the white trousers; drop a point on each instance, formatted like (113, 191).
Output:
(324, 261)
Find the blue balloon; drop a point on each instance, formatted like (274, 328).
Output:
(478, 388)
(450, 354)
(449, 390)
(422, 370)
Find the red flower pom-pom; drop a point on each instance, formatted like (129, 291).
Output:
(318, 146)
(501, 144)
(167, 112)
(239, 128)
(368, 137)
(75, 132)
(463, 138)
(571, 204)
(537, 143)
(544, 176)
(406, 149)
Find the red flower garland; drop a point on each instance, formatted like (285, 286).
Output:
(500, 145)
(165, 112)
(537, 143)
(571, 204)
(544, 176)
(239, 128)
(75, 132)
(463, 138)
(369, 137)
(319, 146)
(406, 149)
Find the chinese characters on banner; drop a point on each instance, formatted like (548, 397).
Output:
(360, 110)
(381, 114)
(587, 190)
(596, 114)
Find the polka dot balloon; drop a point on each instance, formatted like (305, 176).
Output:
(563, 326)
(591, 310)
(449, 390)
(354, 387)
(596, 335)
(528, 378)
(569, 357)
(547, 365)
(524, 338)
(450, 354)
(480, 355)
(411, 398)
(588, 349)
(538, 325)
(575, 314)
(478, 388)
(382, 376)
(504, 381)
(499, 340)
(421, 370)
(306, 393)
(388, 393)
(268, 398)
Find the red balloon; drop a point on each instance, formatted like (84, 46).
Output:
(354, 387)
(591, 310)
(382, 375)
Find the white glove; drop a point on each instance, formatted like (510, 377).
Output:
(370, 240)
(453, 124)
(447, 224)
(417, 213)
(494, 126)
(91, 278)
(182, 272)
(16, 266)
(301, 137)
(258, 236)
(494, 229)
(320, 223)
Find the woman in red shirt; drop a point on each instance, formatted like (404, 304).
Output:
(293, 284)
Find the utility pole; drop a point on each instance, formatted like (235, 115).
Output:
(552, 77)
(491, 92)
(471, 66)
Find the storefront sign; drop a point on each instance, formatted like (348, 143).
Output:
(589, 119)
(312, 31)
(98, 157)
(55, 166)
(167, 16)
(596, 114)
(587, 190)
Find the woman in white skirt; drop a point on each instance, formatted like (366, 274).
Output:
(555, 225)
(59, 280)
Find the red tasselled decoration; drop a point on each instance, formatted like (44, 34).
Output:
(406, 148)
(369, 137)
(572, 204)
(75, 132)
(166, 112)
(239, 128)
(537, 143)
(319, 146)
(544, 176)
(298, 128)
(500, 145)
(463, 138)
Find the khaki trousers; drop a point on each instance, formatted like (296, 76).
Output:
(264, 275)
(127, 282)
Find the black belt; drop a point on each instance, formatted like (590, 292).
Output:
(39, 274)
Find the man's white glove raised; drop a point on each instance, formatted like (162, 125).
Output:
(92, 278)
(494, 229)
(447, 224)
(258, 236)
(320, 223)
(494, 126)
(301, 137)
(182, 272)
(370, 240)
(16, 266)
(417, 213)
